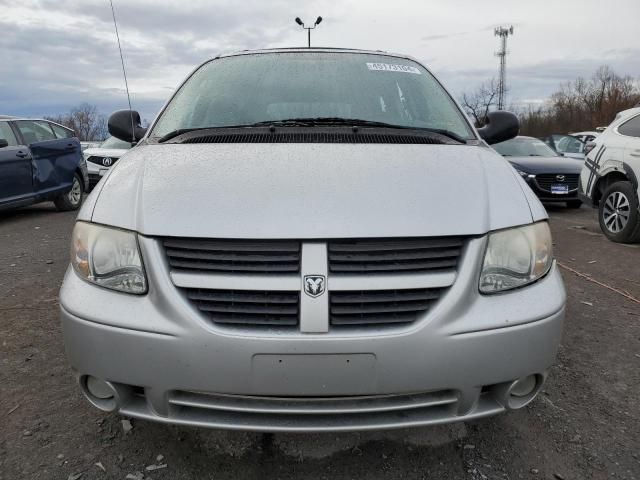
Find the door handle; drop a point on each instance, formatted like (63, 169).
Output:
(635, 153)
(21, 154)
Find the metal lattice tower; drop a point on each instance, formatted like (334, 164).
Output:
(503, 33)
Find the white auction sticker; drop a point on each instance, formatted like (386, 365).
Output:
(388, 67)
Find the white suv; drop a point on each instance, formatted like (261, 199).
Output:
(609, 179)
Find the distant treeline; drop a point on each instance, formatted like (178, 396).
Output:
(85, 120)
(583, 104)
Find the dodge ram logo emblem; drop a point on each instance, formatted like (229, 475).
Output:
(107, 161)
(314, 285)
(560, 178)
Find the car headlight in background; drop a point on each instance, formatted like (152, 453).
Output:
(522, 173)
(108, 257)
(516, 257)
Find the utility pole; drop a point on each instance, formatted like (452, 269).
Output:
(308, 29)
(503, 33)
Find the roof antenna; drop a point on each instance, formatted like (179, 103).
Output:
(124, 72)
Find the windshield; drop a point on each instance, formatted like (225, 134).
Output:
(524, 147)
(247, 89)
(113, 142)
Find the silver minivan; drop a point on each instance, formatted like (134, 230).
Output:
(309, 240)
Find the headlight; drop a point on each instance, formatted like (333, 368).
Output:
(516, 257)
(522, 174)
(108, 257)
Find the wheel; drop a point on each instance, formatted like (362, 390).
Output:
(574, 204)
(73, 198)
(618, 213)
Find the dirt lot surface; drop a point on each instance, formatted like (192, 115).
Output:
(585, 425)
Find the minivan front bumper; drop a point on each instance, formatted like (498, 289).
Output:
(163, 361)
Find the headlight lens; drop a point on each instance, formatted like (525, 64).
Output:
(516, 257)
(108, 257)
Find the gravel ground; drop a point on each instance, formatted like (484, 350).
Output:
(585, 425)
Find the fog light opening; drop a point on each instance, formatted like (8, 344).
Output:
(524, 386)
(100, 393)
(523, 391)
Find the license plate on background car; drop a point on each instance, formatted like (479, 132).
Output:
(102, 171)
(560, 189)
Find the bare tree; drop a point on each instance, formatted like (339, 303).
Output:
(583, 104)
(85, 120)
(478, 103)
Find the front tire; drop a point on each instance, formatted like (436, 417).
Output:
(618, 213)
(73, 198)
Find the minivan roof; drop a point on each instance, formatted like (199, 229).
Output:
(314, 49)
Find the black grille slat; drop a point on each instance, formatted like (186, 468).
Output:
(233, 245)
(233, 256)
(404, 255)
(381, 245)
(385, 266)
(260, 267)
(247, 307)
(372, 307)
(254, 320)
(277, 309)
(382, 319)
(230, 257)
(242, 296)
(398, 254)
(380, 307)
(375, 297)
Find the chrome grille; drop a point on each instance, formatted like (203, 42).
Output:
(394, 255)
(545, 180)
(247, 307)
(367, 283)
(233, 256)
(380, 307)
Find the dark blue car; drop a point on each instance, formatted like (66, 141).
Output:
(40, 161)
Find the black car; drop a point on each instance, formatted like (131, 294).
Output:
(551, 177)
(40, 161)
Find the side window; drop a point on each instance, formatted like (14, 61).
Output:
(35, 131)
(7, 134)
(61, 132)
(631, 128)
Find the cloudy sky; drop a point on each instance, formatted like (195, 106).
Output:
(57, 54)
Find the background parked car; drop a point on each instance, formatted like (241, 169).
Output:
(86, 145)
(609, 179)
(551, 177)
(100, 159)
(40, 161)
(586, 137)
(566, 145)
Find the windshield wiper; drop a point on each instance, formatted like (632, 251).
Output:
(316, 121)
(355, 122)
(180, 131)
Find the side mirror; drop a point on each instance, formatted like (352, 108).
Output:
(125, 125)
(501, 126)
(3, 143)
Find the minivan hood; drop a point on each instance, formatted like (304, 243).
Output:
(310, 191)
